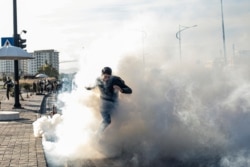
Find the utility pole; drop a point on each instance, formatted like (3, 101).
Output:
(16, 43)
(178, 35)
(223, 33)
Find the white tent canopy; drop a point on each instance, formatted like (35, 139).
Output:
(9, 52)
(41, 76)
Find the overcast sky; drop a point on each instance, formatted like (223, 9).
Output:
(106, 30)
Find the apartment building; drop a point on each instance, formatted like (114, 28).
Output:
(31, 66)
(7, 67)
(41, 57)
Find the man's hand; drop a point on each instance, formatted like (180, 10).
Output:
(117, 88)
(88, 88)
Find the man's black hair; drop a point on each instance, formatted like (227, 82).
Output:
(107, 70)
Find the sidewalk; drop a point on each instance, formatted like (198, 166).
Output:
(18, 146)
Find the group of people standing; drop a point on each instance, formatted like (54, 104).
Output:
(46, 86)
(40, 86)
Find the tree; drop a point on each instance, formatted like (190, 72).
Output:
(48, 70)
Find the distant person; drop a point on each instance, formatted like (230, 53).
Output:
(34, 87)
(41, 84)
(109, 87)
(9, 84)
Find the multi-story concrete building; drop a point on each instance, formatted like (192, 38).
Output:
(7, 67)
(31, 66)
(41, 57)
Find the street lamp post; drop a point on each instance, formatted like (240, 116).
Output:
(178, 35)
(16, 70)
(223, 32)
(16, 76)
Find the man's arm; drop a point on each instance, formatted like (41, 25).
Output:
(93, 86)
(5, 83)
(127, 90)
(122, 87)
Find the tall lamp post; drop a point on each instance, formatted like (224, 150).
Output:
(16, 75)
(178, 35)
(223, 33)
(18, 42)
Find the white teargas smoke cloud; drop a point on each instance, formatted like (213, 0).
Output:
(181, 112)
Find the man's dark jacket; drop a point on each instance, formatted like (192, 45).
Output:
(107, 90)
